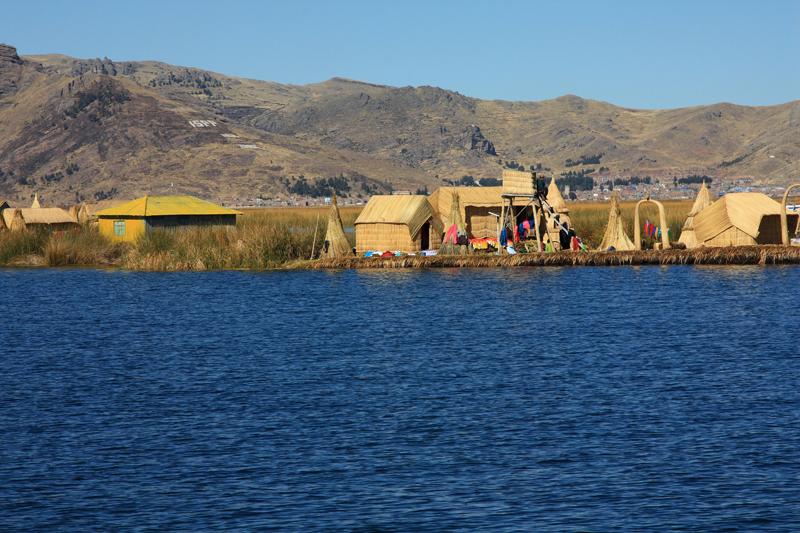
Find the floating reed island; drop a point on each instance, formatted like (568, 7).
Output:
(523, 223)
(736, 255)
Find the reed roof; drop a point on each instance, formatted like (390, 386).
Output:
(409, 210)
(555, 199)
(159, 206)
(442, 200)
(39, 215)
(742, 210)
(702, 200)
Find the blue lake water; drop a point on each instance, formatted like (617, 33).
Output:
(528, 399)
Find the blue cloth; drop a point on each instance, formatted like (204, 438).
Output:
(503, 237)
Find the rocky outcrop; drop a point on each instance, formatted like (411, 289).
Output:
(103, 66)
(10, 70)
(8, 54)
(186, 78)
(476, 141)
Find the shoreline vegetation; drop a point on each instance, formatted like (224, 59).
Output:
(281, 238)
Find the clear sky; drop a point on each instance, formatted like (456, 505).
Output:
(634, 53)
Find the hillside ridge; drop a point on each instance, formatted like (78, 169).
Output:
(123, 128)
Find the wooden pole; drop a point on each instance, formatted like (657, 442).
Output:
(537, 225)
(314, 243)
(637, 232)
(501, 226)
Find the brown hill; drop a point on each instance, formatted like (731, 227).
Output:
(98, 129)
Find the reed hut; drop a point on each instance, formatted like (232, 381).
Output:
(455, 231)
(336, 243)
(50, 218)
(702, 201)
(15, 222)
(35, 204)
(737, 219)
(556, 201)
(404, 223)
(3, 205)
(128, 221)
(476, 205)
(559, 216)
(615, 236)
(84, 217)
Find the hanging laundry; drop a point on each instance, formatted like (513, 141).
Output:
(503, 237)
(451, 237)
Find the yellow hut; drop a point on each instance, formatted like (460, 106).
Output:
(404, 223)
(128, 221)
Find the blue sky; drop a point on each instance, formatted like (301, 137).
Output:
(636, 54)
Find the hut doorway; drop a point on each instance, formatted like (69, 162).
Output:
(425, 236)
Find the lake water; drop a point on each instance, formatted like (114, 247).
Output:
(650, 398)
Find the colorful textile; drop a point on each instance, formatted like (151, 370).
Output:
(451, 237)
(479, 244)
(503, 237)
(516, 234)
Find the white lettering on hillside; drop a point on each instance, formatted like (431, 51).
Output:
(202, 123)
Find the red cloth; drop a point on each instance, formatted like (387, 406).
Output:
(516, 234)
(451, 236)
(576, 245)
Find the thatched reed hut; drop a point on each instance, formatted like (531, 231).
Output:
(456, 231)
(615, 237)
(557, 202)
(738, 219)
(475, 207)
(128, 221)
(703, 200)
(559, 216)
(51, 218)
(3, 205)
(405, 223)
(335, 243)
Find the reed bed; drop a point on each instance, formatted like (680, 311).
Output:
(82, 247)
(16, 246)
(261, 240)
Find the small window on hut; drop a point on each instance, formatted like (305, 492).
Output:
(119, 228)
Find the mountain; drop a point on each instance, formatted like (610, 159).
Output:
(75, 129)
